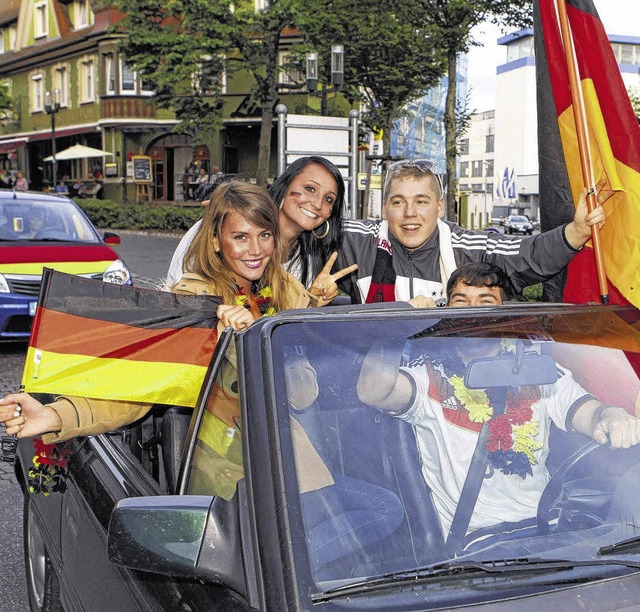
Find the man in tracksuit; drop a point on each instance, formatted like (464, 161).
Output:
(410, 254)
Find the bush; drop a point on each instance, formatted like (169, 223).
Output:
(533, 293)
(107, 214)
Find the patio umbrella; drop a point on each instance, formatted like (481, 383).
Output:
(78, 152)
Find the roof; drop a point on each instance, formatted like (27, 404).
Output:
(9, 10)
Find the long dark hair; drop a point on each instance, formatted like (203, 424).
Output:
(312, 253)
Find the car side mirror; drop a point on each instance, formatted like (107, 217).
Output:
(111, 239)
(190, 536)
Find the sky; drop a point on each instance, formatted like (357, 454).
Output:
(618, 16)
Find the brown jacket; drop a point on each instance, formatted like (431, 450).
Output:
(89, 417)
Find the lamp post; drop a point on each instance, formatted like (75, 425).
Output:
(337, 75)
(52, 106)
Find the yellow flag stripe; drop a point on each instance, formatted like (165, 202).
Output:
(620, 240)
(117, 379)
(70, 267)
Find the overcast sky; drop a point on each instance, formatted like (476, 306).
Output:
(618, 16)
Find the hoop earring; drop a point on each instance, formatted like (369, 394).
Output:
(324, 234)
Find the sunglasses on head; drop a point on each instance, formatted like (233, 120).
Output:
(426, 165)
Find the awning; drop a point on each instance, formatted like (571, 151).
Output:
(62, 133)
(12, 145)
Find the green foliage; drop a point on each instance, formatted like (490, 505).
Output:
(390, 57)
(107, 214)
(634, 96)
(533, 293)
(5, 100)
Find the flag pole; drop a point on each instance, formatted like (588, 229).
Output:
(583, 142)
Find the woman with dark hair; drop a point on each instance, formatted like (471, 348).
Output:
(310, 196)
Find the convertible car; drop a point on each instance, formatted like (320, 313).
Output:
(194, 510)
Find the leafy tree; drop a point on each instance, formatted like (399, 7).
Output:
(181, 47)
(634, 96)
(390, 58)
(451, 22)
(6, 102)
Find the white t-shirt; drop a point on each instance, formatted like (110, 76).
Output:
(446, 448)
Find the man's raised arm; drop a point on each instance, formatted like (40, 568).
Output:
(381, 384)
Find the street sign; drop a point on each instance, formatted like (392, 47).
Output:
(376, 181)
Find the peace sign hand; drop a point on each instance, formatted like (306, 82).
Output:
(325, 287)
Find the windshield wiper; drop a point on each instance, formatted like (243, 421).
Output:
(622, 547)
(455, 569)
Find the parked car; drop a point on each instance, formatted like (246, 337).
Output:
(518, 224)
(150, 518)
(40, 230)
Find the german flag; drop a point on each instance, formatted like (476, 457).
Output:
(116, 342)
(614, 142)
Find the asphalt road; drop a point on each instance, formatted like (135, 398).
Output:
(148, 256)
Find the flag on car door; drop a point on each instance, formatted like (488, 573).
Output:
(116, 342)
(614, 139)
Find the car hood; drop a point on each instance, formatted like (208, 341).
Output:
(73, 259)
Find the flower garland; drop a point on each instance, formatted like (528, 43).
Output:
(512, 436)
(262, 298)
(49, 471)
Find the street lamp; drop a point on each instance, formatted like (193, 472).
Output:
(337, 75)
(52, 106)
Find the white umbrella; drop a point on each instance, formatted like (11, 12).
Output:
(78, 152)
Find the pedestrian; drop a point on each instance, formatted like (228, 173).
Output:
(62, 188)
(21, 183)
(412, 252)
(6, 181)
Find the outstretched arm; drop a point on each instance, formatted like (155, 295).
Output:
(25, 417)
(607, 423)
(381, 384)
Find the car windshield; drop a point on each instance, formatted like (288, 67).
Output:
(55, 220)
(518, 219)
(386, 424)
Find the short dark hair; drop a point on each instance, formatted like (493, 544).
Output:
(480, 274)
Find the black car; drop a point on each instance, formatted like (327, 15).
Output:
(518, 224)
(149, 518)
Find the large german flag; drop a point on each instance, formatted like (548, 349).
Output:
(107, 341)
(614, 139)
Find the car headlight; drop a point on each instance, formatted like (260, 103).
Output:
(4, 285)
(117, 273)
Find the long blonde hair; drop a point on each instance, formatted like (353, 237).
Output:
(257, 208)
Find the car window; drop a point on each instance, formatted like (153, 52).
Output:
(519, 219)
(44, 220)
(376, 488)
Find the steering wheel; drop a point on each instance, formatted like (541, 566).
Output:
(554, 486)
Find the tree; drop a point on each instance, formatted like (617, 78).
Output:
(181, 47)
(451, 22)
(389, 60)
(6, 102)
(634, 96)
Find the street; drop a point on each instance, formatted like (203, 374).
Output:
(148, 257)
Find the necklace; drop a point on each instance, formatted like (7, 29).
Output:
(261, 297)
(512, 440)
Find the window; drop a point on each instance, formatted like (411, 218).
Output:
(37, 93)
(127, 78)
(488, 188)
(211, 77)
(490, 143)
(110, 74)
(81, 13)
(41, 22)
(13, 34)
(464, 169)
(477, 188)
(87, 81)
(288, 72)
(260, 5)
(488, 167)
(476, 169)
(2, 35)
(464, 146)
(61, 82)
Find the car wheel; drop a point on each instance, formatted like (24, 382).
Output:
(43, 587)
